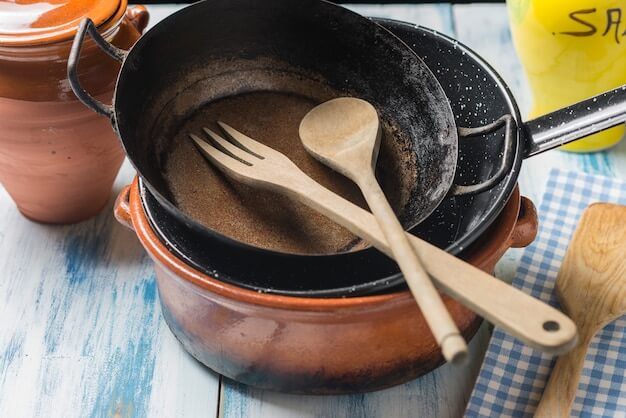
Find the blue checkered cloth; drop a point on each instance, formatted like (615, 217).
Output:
(513, 375)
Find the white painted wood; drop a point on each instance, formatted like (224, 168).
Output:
(160, 11)
(81, 331)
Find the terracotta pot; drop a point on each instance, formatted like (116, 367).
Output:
(307, 345)
(58, 160)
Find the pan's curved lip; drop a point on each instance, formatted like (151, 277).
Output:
(191, 223)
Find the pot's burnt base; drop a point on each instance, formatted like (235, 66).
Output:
(317, 383)
(324, 366)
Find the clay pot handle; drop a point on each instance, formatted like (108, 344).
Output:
(525, 229)
(122, 208)
(139, 17)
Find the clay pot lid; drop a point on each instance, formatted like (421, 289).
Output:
(34, 22)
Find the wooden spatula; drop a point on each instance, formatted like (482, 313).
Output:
(591, 288)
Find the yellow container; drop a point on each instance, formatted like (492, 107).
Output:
(571, 50)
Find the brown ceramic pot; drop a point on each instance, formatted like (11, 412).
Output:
(307, 345)
(58, 159)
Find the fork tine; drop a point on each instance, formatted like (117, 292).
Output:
(228, 147)
(222, 160)
(249, 144)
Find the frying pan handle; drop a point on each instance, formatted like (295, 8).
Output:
(87, 26)
(507, 155)
(576, 121)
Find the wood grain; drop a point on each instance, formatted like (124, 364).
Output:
(82, 333)
(591, 288)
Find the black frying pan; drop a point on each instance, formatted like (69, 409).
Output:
(352, 54)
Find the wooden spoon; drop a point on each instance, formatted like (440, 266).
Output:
(344, 134)
(591, 288)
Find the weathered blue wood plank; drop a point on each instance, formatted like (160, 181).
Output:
(81, 332)
(72, 295)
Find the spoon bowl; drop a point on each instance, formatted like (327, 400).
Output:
(340, 131)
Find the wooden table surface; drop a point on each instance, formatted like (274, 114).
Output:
(81, 332)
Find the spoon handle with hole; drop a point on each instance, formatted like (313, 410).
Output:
(440, 322)
(518, 313)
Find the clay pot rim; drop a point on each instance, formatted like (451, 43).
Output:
(134, 216)
(105, 24)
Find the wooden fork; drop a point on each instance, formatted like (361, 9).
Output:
(523, 316)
